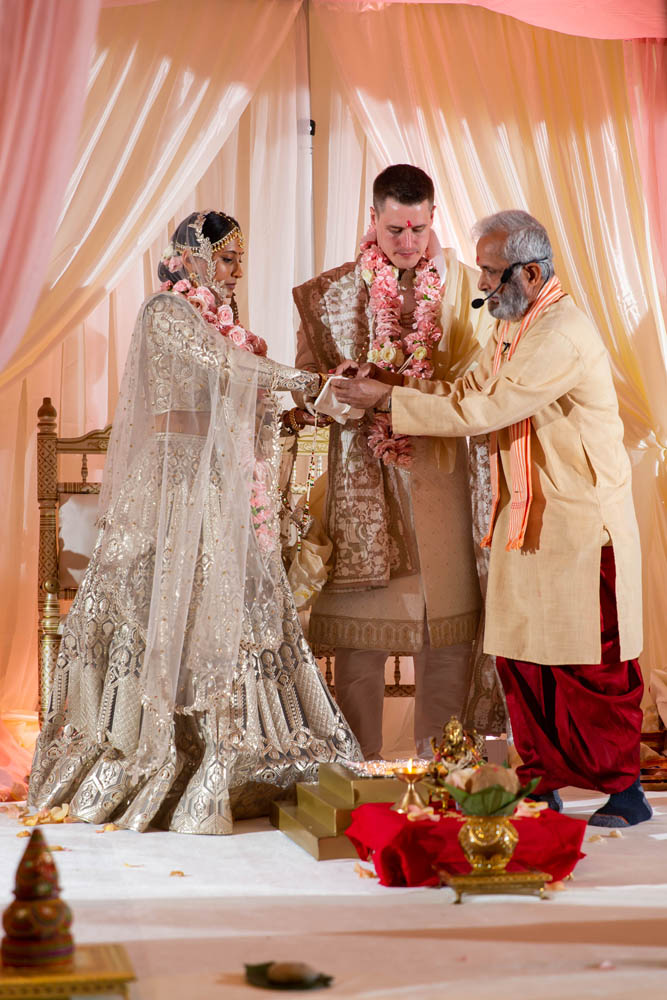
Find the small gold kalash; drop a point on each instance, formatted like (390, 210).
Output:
(488, 797)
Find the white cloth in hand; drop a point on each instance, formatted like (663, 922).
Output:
(327, 403)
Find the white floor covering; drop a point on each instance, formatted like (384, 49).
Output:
(255, 896)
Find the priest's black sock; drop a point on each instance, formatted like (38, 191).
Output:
(625, 808)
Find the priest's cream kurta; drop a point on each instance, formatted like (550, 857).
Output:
(542, 601)
(431, 518)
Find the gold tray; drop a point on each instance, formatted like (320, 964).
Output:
(95, 968)
(528, 883)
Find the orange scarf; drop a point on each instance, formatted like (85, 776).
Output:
(522, 491)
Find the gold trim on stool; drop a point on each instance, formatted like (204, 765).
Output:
(95, 969)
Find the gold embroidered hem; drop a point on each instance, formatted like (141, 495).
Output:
(279, 702)
(329, 631)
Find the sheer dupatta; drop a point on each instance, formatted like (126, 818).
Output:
(192, 432)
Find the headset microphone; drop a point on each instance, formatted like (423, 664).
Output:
(504, 278)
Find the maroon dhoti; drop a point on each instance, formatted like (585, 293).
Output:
(579, 724)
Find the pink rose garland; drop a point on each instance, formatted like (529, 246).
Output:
(262, 510)
(220, 317)
(389, 342)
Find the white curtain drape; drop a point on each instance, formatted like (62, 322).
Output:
(457, 98)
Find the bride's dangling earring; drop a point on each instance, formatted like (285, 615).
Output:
(235, 308)
(193, 278)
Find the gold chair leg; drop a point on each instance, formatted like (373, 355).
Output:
(49, 645)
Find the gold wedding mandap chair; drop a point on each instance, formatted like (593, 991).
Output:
(67, 532)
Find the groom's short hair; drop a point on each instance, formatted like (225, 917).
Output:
(408, 185)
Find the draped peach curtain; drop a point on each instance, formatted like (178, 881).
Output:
(45, 51)
(167, 127)
(499, 113)
(167, 86)
(646, 72)
(502, 114)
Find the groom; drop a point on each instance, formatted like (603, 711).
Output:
(404, 576)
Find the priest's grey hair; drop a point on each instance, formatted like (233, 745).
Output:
(527, 239)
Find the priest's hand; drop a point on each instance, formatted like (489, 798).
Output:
(364, 393)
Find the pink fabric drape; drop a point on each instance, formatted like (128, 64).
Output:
(646, 71)
(588, 18)
(45, 51)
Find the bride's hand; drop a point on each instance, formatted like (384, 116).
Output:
(296, 419)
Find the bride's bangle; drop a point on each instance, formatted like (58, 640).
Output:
(291, 417)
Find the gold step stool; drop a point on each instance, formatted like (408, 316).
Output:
(96, 969)
(323, 809)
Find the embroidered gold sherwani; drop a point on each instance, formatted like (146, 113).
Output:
(383, 588)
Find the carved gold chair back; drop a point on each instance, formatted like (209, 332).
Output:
(62, 505)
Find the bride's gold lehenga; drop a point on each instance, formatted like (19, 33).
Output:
(186, 696)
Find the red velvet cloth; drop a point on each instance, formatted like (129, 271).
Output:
(407, 852)
(579, 724)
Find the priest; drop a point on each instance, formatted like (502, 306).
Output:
(563, 612)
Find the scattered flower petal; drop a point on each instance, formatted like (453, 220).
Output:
(23, 833)
(606, 965)
(615, 834)
(415, 813)
(596, 839)
(364, 872)
(128, 865)
(108, 828)
(177, 874)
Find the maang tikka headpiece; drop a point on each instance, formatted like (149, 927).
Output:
(205, 249)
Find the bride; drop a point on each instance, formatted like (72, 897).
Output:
(185, 692)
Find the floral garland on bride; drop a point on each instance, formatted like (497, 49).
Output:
(219, 317)
(389, 343)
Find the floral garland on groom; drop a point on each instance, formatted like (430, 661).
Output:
(390, 342)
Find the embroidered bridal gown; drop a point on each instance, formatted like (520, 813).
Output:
(185, 693)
